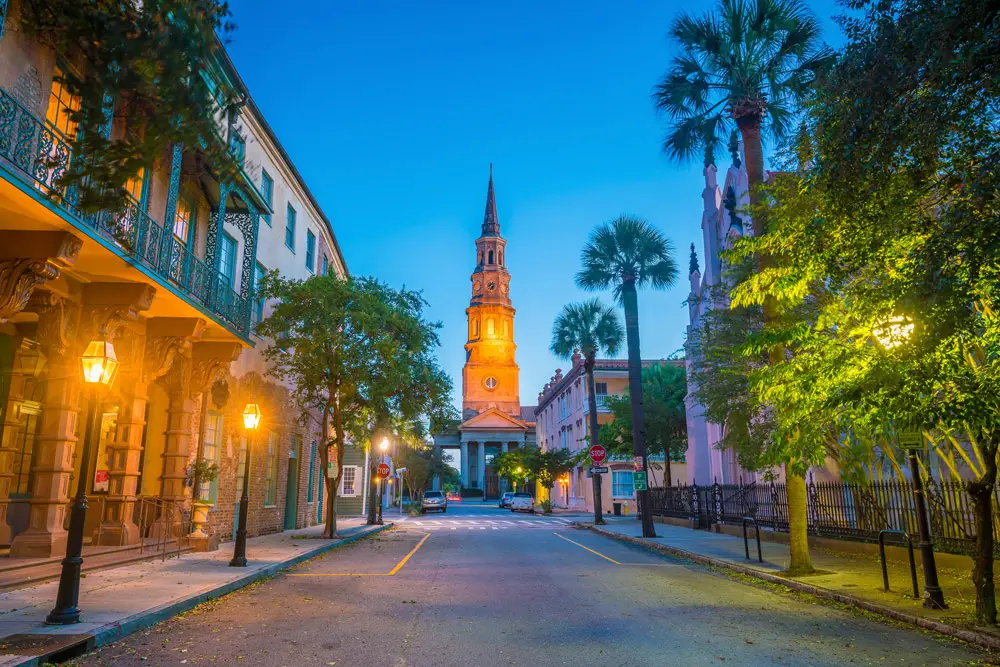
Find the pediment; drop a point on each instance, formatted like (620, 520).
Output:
(494, 419)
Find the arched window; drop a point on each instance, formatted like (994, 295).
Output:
(475, 327)
(491, 256)
(480, 256)
(489, 327)
(506, 328)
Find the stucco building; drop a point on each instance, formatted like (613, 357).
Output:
(493, 419)
(563, 422)
(170, 283)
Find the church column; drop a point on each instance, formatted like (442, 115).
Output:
(463, 464)
(481, 466)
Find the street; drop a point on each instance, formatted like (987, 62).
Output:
(464, 590)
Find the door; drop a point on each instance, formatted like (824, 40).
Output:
(492, 483)
(292, 489)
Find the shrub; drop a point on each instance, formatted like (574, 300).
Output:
(546, 506)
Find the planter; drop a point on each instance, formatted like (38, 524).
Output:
(199, 519)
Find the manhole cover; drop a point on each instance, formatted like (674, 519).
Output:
(37, 645)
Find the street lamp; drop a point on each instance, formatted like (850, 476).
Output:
(98, 367)
(892, 333)
(251, 420)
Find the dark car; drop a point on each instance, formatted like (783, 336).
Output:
(505, 500)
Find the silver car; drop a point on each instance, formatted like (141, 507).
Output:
(505, 500)
(433, 500)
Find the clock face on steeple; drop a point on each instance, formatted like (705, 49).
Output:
(491, 286)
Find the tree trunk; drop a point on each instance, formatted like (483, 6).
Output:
(372, 493)
(631, 302)
(798, 523)
(981, 492)
(666, 458)
(594, 426)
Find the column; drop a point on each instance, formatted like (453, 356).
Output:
(503, 480)
(481, 466)
(463, 464)
(52, 461)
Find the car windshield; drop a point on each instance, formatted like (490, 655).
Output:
(522, 495)
(508, 494)
(432, 494)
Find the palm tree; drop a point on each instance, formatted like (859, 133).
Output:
(590, 327)
(625, 254)
(749, 64)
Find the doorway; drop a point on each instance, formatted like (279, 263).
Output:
(292, 490)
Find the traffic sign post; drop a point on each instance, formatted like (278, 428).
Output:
(383, 470)
(597, 454)
(598, 470)
(639, 480)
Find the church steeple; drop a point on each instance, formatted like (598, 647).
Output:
(491, 223)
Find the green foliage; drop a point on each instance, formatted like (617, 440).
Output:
(588, 326)
(152, 62)
(422, 463)
(517, 465)
(664, 388)
(748, 59)
(546, 506)
(626, 250)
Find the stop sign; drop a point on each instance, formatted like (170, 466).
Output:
(383, 470)
(598, 454)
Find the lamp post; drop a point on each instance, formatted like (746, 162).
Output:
(251, 420)
(99, 365)
(892, 333)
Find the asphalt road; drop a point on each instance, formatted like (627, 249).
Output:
(479, 587)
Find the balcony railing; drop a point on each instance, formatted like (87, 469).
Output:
(39, 156)
(602, 403)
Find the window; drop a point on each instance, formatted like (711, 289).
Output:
(601, 388)
(349, 482)
(211, 450)
(312, 473)
(326, 265)
(227, 260)
(490, 327)
(621, 484)
(290, 228)
(310, 249)
(475, 327)
(506, 328)
(24, 447)
(501, 258)
(184, 221)
(491, 257)
(237, 146)
(258, 304)
(61, 105)
(134, 185)
(563, 435)
(271, 480)
(267, 192)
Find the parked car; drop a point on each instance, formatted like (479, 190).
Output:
(505, 499)
(522, 502)
(433, 500)
(453, 497)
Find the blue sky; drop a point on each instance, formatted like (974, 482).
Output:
(393, 111)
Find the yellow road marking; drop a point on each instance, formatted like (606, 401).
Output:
(391, 573)
(401, 563)
(596, 553)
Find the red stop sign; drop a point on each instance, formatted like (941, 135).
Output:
(383, 470)
(598, 454)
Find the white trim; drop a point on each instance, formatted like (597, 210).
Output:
(356, 482)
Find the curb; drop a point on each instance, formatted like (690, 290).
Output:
(970, 636)
(131, 624)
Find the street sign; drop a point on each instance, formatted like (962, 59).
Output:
(638, 463)
(639, 481)
(331, 469)
(598, 454)
(382, 470)
(400, 471)
(598, 470)
(910, 439)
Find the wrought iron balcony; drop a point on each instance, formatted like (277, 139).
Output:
(602, 403)
(38, 155)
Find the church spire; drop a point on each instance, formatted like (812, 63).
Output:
(491, 223)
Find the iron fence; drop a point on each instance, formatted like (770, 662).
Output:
(834, 509)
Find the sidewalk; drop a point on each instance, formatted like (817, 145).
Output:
(854, 579)
(119, 601)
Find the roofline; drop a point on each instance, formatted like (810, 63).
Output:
(609, 364)
(228, 62)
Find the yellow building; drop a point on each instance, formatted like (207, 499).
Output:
(169, 282)
(493, 420)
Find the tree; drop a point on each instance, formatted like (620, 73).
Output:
(517, 465)
(624, 255)
(423, 463)
(664, 388)
(152, 67)
(549, 466)
(894, 228)
(589, 327)
(751, 65)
